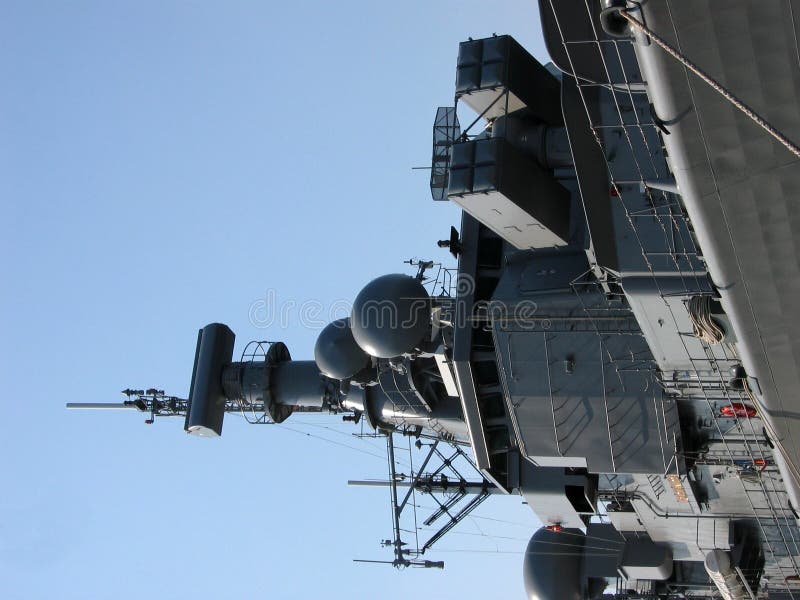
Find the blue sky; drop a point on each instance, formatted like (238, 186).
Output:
(167, 165)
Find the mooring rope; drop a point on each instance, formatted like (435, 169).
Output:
(705, 327)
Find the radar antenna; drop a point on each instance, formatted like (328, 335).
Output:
(446, 130)
(461, 497)
(152, 401)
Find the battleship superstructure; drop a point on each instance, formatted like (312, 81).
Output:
(617, 343)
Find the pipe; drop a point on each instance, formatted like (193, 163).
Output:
(98, 406)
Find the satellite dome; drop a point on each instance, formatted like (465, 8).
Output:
(336, 352)
(553, 565)
(391, 316)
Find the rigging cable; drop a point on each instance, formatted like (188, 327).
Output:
(330, 441)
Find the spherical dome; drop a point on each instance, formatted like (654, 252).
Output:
(553, 564)
(391, 316)
(336, 352)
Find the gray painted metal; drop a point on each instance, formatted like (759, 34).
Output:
(660, 307)
(577, 376)
(206, 397)
(598, 415)
(740, 187)
(572, 23)
(604, 552)
(645, 560)
(336, 352)
(463, 336)
(547, 144)
(391, 316)
(509, 193)
(488, 67)
(395, 402)
(553, 563)
(592, 177)
(544, 490)
(297, 383)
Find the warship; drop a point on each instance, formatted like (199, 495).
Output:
(617, 344)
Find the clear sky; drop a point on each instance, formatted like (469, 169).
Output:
(164, 165)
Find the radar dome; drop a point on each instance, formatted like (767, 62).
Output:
(391, 316)
(336, 352)
(553, 565)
